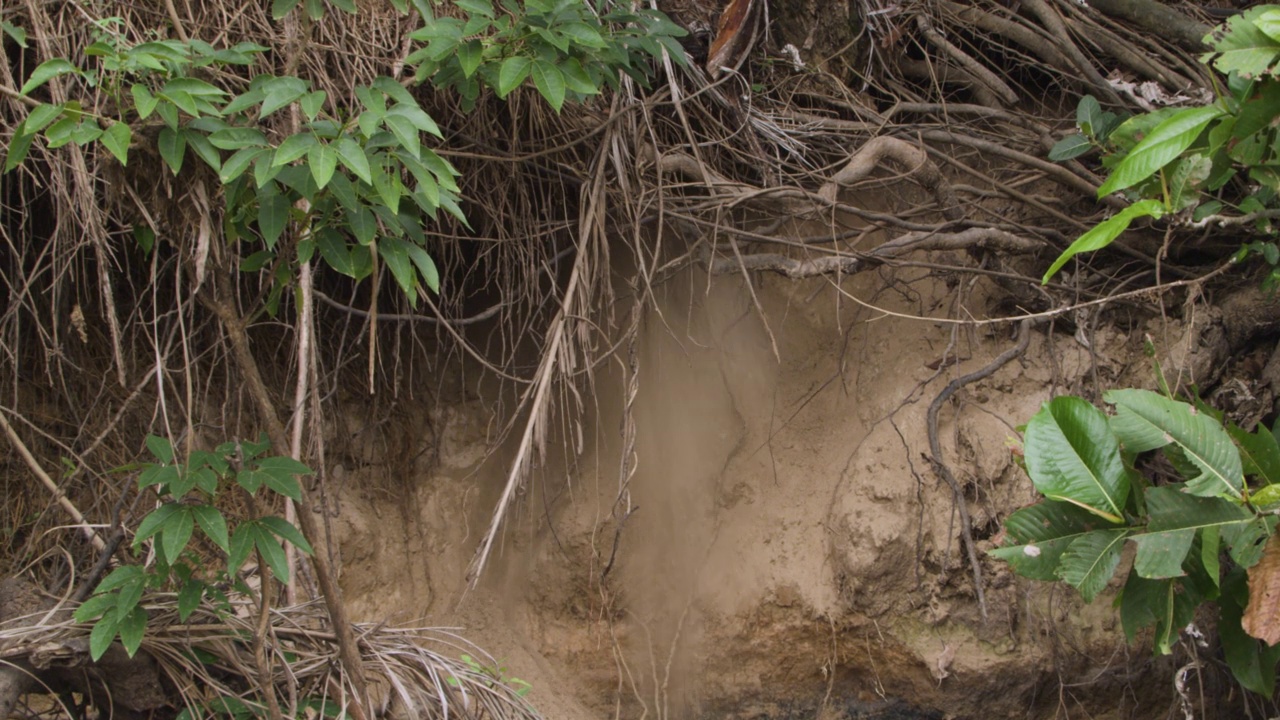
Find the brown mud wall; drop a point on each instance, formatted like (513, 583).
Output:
(790, 550)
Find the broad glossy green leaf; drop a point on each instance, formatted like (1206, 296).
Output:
(238, 163)
(1241, 46)
(312, 103)
(335, 251)
(294, 147)
(1089, 562)
(103, 634)
(1162, 603)
(1259, 453)
(288, 532)
(189, 597)
(1039, 534)
(1145, 420)
(1073, 457)
(1160, 555)
(426, 267)
(1105, 232)
(173, 148)
(18, 147)
(202, 147)
(1166, 142)
(235, 138)
(514, 70)
(272, 552)
(470, 54)
(323, 161)
(46, 71)
(176, 533)
(273, 214)
(241, 545)
(363, 225)
(284, 470)
(94, 607)
(1246, 542)
(41, 116)
(160, 447)
(406, 132)
(549, 81)
(157, 475)
(213, 524)
(279, 92)
(395, 254)
(353, 157)
(194, 87)
(131, 629)
(117, 139)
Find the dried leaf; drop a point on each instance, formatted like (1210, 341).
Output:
(1262, 616)
(734, 36)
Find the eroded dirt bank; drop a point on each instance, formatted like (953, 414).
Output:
(788, 549)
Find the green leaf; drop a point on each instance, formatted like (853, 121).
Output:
(1259, 453)
(102, 635)
(279, 92)
(323, 161)
(273, 214)
(245, 100)
(18, 34)
(235, 138)
(117, 139)
(189, 598)
(207, 152)
(93, 608)
(1105, 232)
(1246, 542)
(1150, 602)
(176, 533)
(280, 8)
(173, 148)
(283, 471)
(18, 147)
(334, 250)
(238, 163)
(272, 552)
(194, 87)
(514, 70)
(406, 132)
(1088, 115)
(426, 267)
(312, 103)
(469, 56)
(1145, 420)
(132, 628)
(41, 116)
(160, 448)
(294, 147)
(157, 475)
(1090, 560)
(1251, 661)
(549, 81)
(1072, 457)
(168, 112)
(250, 480)
(1039, 534)
(241, 545)
(582, 34)
(578, 80)
(389, 189)
(287, 531)
(46, 71)
(1166, 142)
(1241, 46)
(119, 578)
(213, 524)
(130, 593)
(394, 253)
(363, 224)
(353, 157)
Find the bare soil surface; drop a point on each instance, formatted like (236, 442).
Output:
(790, 551)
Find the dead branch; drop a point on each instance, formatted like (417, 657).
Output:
(1159, 19)
(971, 239)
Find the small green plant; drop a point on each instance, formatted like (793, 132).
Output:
(357, 184)
(1195, 539)
(186, 492)
(570, 49)
(1196, 164)
(497, 674)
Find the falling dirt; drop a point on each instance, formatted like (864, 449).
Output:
(788, 549)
